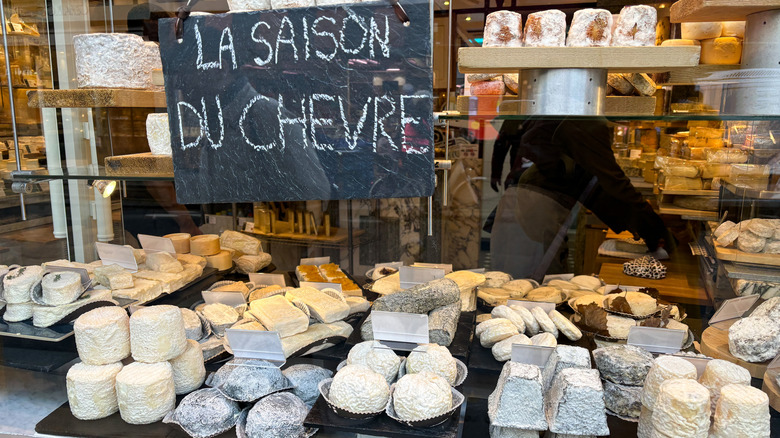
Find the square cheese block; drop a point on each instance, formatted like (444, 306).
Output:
(545, 29)
(279, 315)
(115, 60)
(158, 134)
(163, 262)
(636, 27)
(721, 51)
(575, 403)
(114, 277)
(316, 332)
(322, 306)
(517, 401)
(169, 282)
(189, 259)
(142, 291)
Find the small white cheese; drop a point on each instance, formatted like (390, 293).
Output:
(92, 391)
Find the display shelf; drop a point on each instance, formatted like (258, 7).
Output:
(696, 75)
(707, 193)
(88, 173)
(715, 343)
(735, 255)
(615, 59)
(750, 272)
(718, 10)
(510, 105)
(687, 214)
(96, 98)
(681, 285)
(747, 192)
(669, 118)
(338, 235)
(144, 163)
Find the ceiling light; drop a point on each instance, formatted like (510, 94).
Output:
(468, 18)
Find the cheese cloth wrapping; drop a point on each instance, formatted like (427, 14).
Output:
(443, 323)
(276, 416)
(205, 413)
(247, 380)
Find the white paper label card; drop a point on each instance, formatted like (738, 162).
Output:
(228, 298)
(256, 344)
(446, 266)
(156, 244)
(86, 282)
(400, 327)
(699, 362)
(116, 255)
(733, 308)
(656, 340)
(531, 354)
(268, 279)
(411, 276)
(321, 286)
(249, 227)
(133, 308)
(547, 307)
(477, 270)
(315, 261)
(551, 277)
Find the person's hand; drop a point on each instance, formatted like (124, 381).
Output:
(495, 183)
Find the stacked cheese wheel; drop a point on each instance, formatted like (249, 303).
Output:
(721, 42)
(166, 364)
(224, 250)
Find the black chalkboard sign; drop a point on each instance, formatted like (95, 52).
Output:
(297, 104)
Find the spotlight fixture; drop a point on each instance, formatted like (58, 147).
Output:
(104, 187)
(468, 18)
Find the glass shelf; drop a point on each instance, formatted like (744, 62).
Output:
(87, 173)
(614, 118)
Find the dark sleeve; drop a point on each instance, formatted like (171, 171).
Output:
(508, 134)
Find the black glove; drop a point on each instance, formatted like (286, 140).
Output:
(647, 224)
(494, 183)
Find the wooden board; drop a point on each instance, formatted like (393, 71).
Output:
(687, 213)
(771, 389)
(614, 106)
(681, 285)
(96, 98)
(144, 164)
(338, 235)
(615, 59)
(735, 255)
(715, 343)
(695, 75)
(718, 10)
(707, 193)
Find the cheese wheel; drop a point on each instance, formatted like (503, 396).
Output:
(701, 31)
(181, 242)
(204, 245)
(721, 51)
(742, 411)
(676, 43)
(221, 261)
(189, 371)
(157, 334)
(682, 409)
(665, 368)
(61, 287)
(145, 392)
(720, 373)
(103, 335)
(91, 390)
(733, 29)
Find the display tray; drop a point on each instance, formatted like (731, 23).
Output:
(459, 348)
(322, 416)
(718, 10)
(34, 359)
(735, 255)
(144, 163)
(96, 98)
(715, 343)
(55, 333)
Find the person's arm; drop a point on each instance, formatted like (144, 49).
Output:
(506, 135)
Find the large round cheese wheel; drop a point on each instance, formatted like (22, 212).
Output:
(421, 396)
(220, 261)
(204, 245)
(435, 359)
(189, 371)
(91, 390)
(145, 392)
(103, 335)
(157, 334)
(357, 389)
(181, 242)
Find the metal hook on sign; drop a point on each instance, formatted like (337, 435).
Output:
(400, 12)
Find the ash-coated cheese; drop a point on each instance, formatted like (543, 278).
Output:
(279, 415)
(115, 60)
(247, 380)
(305, 379)
(19, 282)
(503, 29)
(157, 334)
(193, 327)
(575, 403)
(91, 390)
(510, 432)
(505, 312)
(61, 287)
(322, 306)
(754, 339)
(158, 135)
(517, 401)
(145, 392)
(279, 315)
(358, 389)
(545, 323)
(377, 357)
(435, 359)
(443, 323)
(531, 325)
(665, 368)
(566, 327)
(220, 316)
(564, 357)
(205, 413)
(421, 298)
(502, 351)
(142, 290)
(742, 411)
(701, 31)
(421, 396)
(545, 29)
(544, 340)
(189, 371)
(645, 427)
(682, 409)
(494, 330)
(590, 28)
(719, 373)
(114, 277)
(286, 4)
(240, 242)
(103, 335)
(623, 364)
(163, 262)
(625, 401)
(636, 27)
(770, 308)
(204, 245)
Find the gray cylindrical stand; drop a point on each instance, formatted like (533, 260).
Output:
(563, 91)
(757, 92)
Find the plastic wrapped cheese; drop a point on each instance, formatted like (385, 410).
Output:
(682, 409)
(92, 390)
(145, 392)
(189, 371)
(103, 335)
(157, 334)
(742, 411)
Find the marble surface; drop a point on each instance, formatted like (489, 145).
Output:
(26, 397)
(310, 103)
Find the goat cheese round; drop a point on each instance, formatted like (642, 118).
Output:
(189, 371)
(205, 413)
(279, 415)
(720, 373)
(157, 334)
(91, 390)
(103, 335)
(435, 359)
(544, 340)
(15, 312)
(502, 351)
(586, 281)
(19, 282)
(61, 287)
(377, 357)
(145, 392)
(666, 368)
(193, 327)
(742, 411)
(682, 409)
(770, 308)
(421, 396)
(754, 339)
(220, 316)
(358, 389)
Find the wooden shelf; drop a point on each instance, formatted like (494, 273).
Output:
(735, 255)
(614, 106)
(96, 98)
(615, 59)
(715, 343)
(770, 387)
(681, 285)
(139, 165)
(698, 74)
(707, 193)
(718, 10)
(688, 214)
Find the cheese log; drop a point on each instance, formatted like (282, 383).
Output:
(19, 282)
(701, 31)
(545, 29)
(157, 334)
(145, 392)
(61, 287)
(279, 315)
(142, 291)
(576, 403)
(665, 368)
(679, 43)
(189, 371)
(158, 134)
(500, 330)
(733, 29)
(421, 298)
(636, 27)
(315, 334)
(102, 335)
(502, 350)
(503, 29)
(721, 51)
(240, 242)
(181, 242)
(590, 28)
(443, 323)
(619, 82)
(114, 277)
(91, 390)
(322, 306)
(189, 259)
(517, 401)
(743, 411)
(510, 314)
(488, 88)
(204, 245)
(220, 261)
(163, 262)
(682, 409)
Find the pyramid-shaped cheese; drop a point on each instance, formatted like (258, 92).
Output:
(575, 403)
(564, 356)
(517, 401)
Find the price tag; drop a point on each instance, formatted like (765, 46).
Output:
(408, 329)
(315, 261)
(268, 279)
(733, 308)
(86, 282)
(256, 344)
(249, 227)
(411, 276)
(446, 266)
(133, 308)
(116, 255)
(477, 270)
(156, 244)
(656, 340)
(531, 354)
(228, 298)
(547, 307)
(551, 277)
(321, 286)
(699, 362)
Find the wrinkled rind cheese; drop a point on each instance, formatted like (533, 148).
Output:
(355, 388)
(145, 392)
(314, 334)
(575, 403)
(115, 60)
(277, 314)
(720, 373)
(682, 409)
(665, 368)
(277, 416)
(742, 411)
(158, 134)
(114, 277)
(421, 298)
(189, 371)
(103, 335)
(193, 327)
(247, 264)
(322, 306)
(378, 358)
(754, 339)
(510, 432)
(91, 390)
(19, 282)
(61, 287)
(517, 401)
(502, 351)
(435, 359)
(625, 401)
(163, 262)
(157, 334)
(421, 396)
(564, 357)
(623, 364)
(240, 242)
(305, 379)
